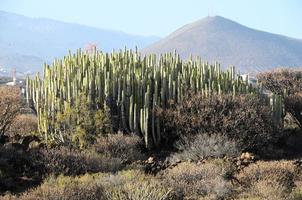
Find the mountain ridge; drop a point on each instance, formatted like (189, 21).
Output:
(74, 23)
(43, 40)
(230, 43)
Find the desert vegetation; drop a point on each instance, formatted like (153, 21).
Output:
(73, 91)
(127, 126)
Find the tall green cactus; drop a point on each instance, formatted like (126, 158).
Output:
(133, 84)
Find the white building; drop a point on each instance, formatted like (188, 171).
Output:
(14, 82)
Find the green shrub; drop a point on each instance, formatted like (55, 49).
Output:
(81, 123)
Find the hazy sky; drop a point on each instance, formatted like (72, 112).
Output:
(161, 17)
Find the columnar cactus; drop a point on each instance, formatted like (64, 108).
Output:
(133, 84)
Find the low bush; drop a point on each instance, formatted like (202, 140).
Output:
(269, 189)
(268, 180)
(10, 105)
(24, 124)
(64, 188)
(124, 185)
(244, 118)
(293, 105)
(124, 147)
(286, 82)
(135, 185)
(80, 124)
(205, 145)
(14, 160)
(67, 161)
(193, 181)
(297, 193)
(17, 169)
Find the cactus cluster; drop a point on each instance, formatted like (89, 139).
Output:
(131, 84)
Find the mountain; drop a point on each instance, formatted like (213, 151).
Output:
(26, 43)
(225, 41)
(23, 63)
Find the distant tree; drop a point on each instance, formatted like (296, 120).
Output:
(10, 104)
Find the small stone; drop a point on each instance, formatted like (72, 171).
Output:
(248, 155)
(150, 160)
(33, 145)
(245, 160)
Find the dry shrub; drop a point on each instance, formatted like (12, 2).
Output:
(23, 125)
(286, 82)
(244, 118)
(204, 145)
(10, 104)
(293, 105)
(193, 181)
(19, 168)
(16, 161)
(124, 147)
(297, 193)
(64, 188)
(270, 190)
(124, 185)
(280, 79)
(135, 185)
(268, 180)
(63, 160)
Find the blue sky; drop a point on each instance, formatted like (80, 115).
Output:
(161, 17)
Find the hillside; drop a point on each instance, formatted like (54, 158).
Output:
(223, 40)
(25, 43)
